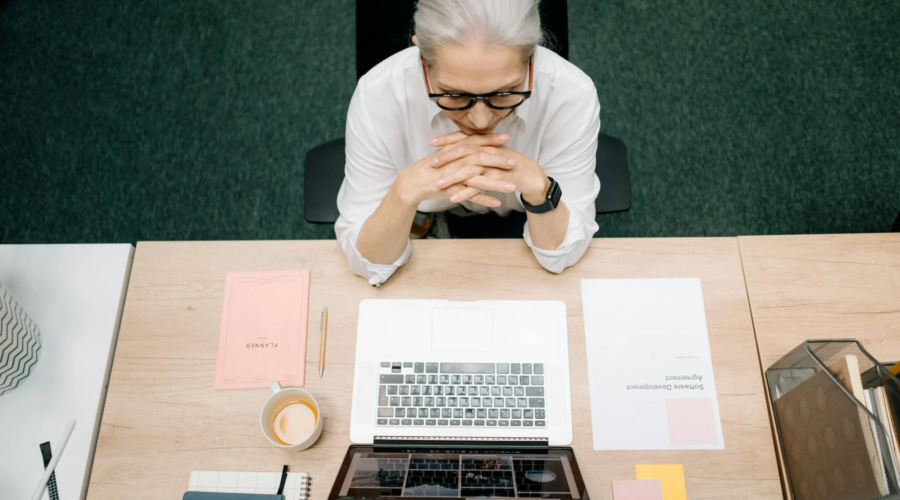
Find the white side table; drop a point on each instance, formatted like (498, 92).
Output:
(75, 295)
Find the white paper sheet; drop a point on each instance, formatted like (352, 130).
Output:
(649, 366)
(295, 488)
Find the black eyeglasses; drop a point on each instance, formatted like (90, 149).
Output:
(494, 100)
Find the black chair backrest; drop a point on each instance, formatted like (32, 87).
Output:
(384, 27)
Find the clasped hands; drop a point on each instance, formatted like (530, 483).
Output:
(467, 165)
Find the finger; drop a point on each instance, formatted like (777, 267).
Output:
(486, 184)
(480, 139)
(448, 155)
(464, 194)
(483, 199)
(443, 140)
(461, 175)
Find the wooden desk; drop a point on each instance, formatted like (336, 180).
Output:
(163, 418)
(824, 286)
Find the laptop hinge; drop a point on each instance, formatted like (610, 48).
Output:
(467, 442)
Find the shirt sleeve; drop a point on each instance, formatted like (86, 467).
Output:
(571, 146)
(368, 175)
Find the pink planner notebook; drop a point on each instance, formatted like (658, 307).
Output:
(263, 332)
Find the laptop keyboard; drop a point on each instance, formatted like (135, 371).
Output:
(423, 394)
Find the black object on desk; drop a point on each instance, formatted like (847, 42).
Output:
(51, 484)
(203, 495)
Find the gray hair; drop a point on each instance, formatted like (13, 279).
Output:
(493, 23)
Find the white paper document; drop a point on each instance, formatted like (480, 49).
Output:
(649, 367)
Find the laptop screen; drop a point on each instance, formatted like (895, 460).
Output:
(368, 473)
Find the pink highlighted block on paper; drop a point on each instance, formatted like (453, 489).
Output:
(691, 421)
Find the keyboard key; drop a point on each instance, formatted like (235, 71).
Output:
(396, 369)
(540, 423)
(516, 423)
(454, 422)
(473, 391)
(404, 390)
(493, 413)
(452, 402)
(539, 414)
(431, 367)
(521, 402)
(481, 413)
(536, 402)
(487, 402)
(405, 401)
(537, 380)
(503, 423)
(528, 423)
(534, 391)
(392, 390)
(492, 423)
(395, 400)
(432, 379)
(483, 368)
(416, 390)
(479, 423)
(515, 368)
(538, 368)
(464, 402)
(390, 379)
(467, 379)
(449, 390)
(406, 421)
(504, 413)
(440, 401)
(385, 364)
(475, 402)
(489, 380)
(479, 379)
(519, 391)
(458, 413)
(445, 379)
(399, 412)
(423, 412)
(484, 391)
(510, 402)
(467, 422)
(422, 422)
(386, 412)
(470, 413)
(410, 379)
(455, 379)
(407, 364)
(513, 380)
(503, 368)
(434, 413)
(429, 401)
(517, 414)
(418, 401)
(394, 421)
(495, 391)
(507, 391)
(431, 422)
(498, 402)
(438, 390)
(443, 422)
(528, 414)
(421, 379)
(381, 421)
(419, 368)
(523, 380)
(501, 379)
(526, 368)
(446, 413)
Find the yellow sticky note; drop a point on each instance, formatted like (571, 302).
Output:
(670, 476)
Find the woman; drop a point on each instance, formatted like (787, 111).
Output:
(475, 118)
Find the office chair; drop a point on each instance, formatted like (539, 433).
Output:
(896, 228)
(384, 28)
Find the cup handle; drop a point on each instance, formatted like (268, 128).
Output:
(275, 386)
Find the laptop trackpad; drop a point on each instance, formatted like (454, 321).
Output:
(462, 330)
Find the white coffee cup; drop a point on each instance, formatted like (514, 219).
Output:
(276, 404)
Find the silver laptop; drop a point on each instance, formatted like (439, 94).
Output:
(474, 369)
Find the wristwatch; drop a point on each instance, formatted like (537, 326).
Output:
(550, 203)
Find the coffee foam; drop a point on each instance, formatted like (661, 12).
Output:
(294, 423)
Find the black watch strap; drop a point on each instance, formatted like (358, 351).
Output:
(551, 200)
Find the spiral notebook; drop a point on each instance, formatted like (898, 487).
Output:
(295, 488)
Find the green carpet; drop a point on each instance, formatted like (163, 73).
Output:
(124, 120)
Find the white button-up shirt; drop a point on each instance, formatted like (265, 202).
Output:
(391, 119)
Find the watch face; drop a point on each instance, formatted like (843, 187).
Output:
(555, 194)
